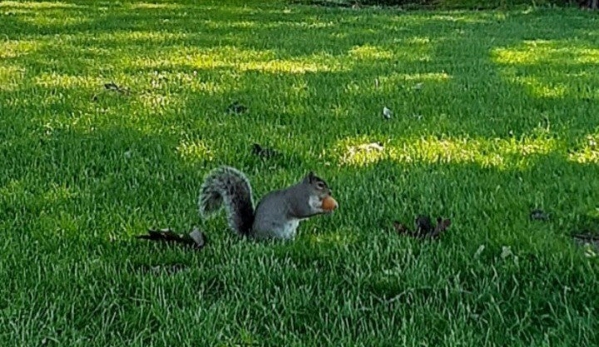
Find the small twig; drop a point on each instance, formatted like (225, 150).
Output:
(114, 87)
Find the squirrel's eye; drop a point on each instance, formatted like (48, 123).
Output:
(320, 185)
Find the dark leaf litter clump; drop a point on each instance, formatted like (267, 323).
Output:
(195, 238)
(237, 108)
(539, 215)
(112, 87)
(264, 152)
(423, 227)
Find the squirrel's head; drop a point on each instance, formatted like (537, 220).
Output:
(317, 185)
(320, 189)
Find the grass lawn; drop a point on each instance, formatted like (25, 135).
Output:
(494, 114)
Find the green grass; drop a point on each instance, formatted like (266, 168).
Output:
(504, 122)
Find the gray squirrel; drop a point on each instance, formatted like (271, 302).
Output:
(277, 215)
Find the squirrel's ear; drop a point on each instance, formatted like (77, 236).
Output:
(309, 177)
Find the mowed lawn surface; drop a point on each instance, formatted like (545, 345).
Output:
(494, 114)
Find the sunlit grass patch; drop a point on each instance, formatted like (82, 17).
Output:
(141, 37)
(587, 152)
(370, 52)
(42, 20)
(338, 239)
(154, 101)
(38, 4)
(57, 193)
(10, 77)
(416, 77)
(154, 6)
(497, 153)
(52, 80)
(460, 17)
(194, 151)
(541, 89)
(542, 56)
(359, 151)
(563, 52)
(45, 14)
(415, 50)
(211, 58)
(239, 60)
(585, 156)
(17, 48)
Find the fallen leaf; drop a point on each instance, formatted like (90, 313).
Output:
(111, 86)
(371, 146)
(506, 251)
(441, 227)
(387, 113)
(114, 87)
(423, 227)
(590, 251)
(264, 152)
(423, 224)
(402, 229)
(195, 238)
(198, 237)
(538, 214)
(479, 251)
(236, 108)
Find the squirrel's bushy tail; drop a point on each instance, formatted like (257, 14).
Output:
(229, 187)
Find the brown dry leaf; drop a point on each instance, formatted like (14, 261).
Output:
(423, 227)
(195, 238)
(264, 152)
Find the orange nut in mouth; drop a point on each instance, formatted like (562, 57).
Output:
(329, 204)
